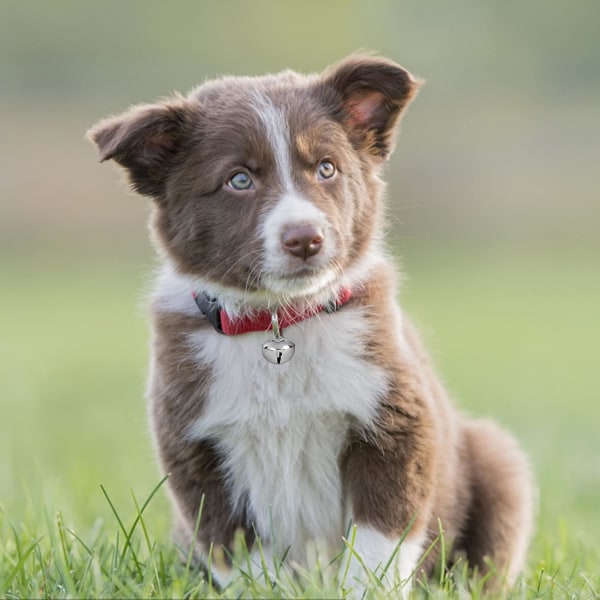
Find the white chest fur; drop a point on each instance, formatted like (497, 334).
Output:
(281, 428)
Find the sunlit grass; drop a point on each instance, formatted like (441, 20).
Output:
(513, 331)
(44, 557)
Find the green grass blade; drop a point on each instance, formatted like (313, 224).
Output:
(127, 544)
(17, 568)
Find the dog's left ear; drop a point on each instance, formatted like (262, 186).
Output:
(369, 95)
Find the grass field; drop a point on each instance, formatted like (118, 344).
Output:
(514, 330)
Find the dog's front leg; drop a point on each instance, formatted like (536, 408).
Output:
(388, 478)
(205, 525)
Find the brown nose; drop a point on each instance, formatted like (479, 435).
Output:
(302, 240)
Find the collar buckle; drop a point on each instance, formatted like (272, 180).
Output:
(210, 308)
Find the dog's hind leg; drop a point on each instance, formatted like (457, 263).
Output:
(500, 518)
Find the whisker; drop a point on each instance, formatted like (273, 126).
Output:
(236, 262)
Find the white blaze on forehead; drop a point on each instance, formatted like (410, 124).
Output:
(291, 208)
(278, 135)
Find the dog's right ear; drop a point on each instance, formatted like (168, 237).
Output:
(146, 140)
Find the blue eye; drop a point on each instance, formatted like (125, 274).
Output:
(326, 169)
(241, 181)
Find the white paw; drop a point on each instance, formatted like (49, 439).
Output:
(374, 559)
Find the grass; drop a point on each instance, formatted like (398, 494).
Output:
(513, 330)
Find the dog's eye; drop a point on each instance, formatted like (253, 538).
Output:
(326, 169)
(241, 181)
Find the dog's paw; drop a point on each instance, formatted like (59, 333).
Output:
(374, 560)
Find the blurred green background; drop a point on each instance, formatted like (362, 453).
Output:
(495, 216)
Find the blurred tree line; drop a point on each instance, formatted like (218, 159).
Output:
(503, 140)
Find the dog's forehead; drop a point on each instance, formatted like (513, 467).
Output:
(273, 116)
(259, 102)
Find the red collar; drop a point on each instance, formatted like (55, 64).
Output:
(261, 321)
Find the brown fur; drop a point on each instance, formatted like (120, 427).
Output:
(421, 459)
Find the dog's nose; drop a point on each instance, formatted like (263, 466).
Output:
(302, 240)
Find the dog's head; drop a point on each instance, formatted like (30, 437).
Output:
(267, 185)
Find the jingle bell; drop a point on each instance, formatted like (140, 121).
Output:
(278, 351)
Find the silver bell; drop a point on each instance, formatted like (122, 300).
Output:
(279, 350)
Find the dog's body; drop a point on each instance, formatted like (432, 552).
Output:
(268, 198)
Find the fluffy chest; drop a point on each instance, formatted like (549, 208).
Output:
(281, 428)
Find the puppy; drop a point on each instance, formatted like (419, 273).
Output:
(289, 394)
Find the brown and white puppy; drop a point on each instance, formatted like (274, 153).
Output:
(267, 198)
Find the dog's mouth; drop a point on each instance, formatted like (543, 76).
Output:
(303, 281)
